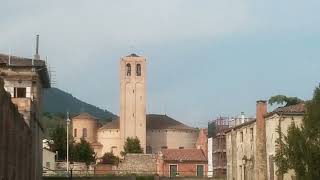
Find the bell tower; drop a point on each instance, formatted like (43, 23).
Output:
(133, 98)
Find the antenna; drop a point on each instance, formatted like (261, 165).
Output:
(37, 56)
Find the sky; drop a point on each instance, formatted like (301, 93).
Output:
(205, 58)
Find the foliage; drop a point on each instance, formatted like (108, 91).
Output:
(132, 145)
(58, 141)
(300, 148)
(109, 158)
(82, 152)
(281, 99)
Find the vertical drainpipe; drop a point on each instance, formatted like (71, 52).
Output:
(261, 154)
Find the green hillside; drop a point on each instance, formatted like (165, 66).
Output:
(56, 101)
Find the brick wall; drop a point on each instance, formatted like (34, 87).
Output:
(15, 141)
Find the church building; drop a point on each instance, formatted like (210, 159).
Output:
(154, 131)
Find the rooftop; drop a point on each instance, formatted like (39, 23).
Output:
(183, 155)
(84, 115)
(154, 121)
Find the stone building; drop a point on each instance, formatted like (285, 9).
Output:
(24, 80)
(154, 131)
(251, 145)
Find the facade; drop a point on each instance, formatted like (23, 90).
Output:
(251, 145)
(217, 160)
(163, 132)
(133, 98)
(24, 80)
(154, 131)
(182, 162)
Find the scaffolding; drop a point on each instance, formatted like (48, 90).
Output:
(217, 133)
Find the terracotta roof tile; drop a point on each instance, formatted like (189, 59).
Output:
(183, 155)
(288, 110)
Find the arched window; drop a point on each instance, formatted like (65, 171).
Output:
(128, 69)
(138, 70)
(84, 132)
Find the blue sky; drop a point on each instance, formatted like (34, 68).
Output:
(205, 58)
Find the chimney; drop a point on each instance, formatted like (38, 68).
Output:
(242, 117)
(37, 56)
(261, 154)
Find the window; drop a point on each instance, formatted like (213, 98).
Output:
(251, 134)
(138, 70)
(84, 132)
(48, 165)
(241, 136)
(181, 147)
(200, 170)
(113, 149)
(149, 150)
(20, 92)
(128, 69)
(173, 170)
(164, 147)
(75, 133)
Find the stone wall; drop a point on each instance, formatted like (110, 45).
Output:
(15, 141)
(138, 164)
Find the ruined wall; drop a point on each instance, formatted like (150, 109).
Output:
(138, 164)
(15, 141)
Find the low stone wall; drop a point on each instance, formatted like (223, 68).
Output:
(138, 164)
(79, 168)
(105, 169)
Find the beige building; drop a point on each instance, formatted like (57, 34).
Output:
(155, 132)
(251, 145)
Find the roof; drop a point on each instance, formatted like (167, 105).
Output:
(157, 121)
(153, 121)
(133, 55)
(85, 115)
(183, 155)
(114, 124)
(298, 109)
(17, 62)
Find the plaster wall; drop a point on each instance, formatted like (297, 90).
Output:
(111, 141)
(272, 123)
(172, 139)
(79, 125)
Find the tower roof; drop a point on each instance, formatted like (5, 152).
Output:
(132, 55)
(85, 116)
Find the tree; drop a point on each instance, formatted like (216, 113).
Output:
(132, 145)
(82, 152)
(58, 142)
(281, 99)
(300, 148)
(109, 158)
